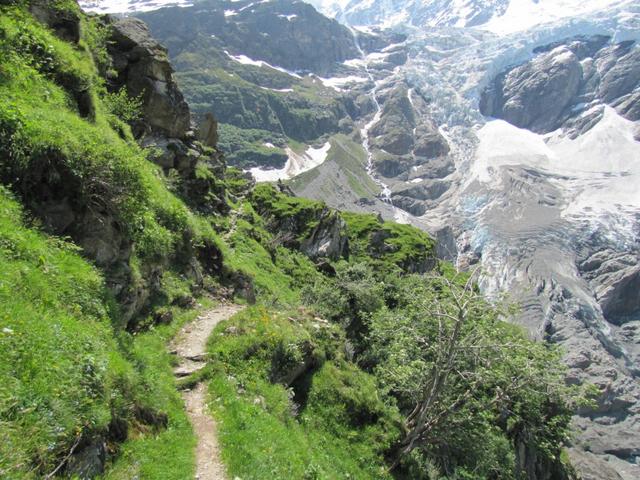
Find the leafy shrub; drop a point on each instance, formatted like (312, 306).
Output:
(122, 106)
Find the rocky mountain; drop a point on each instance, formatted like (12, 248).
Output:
(126, 245)
(509, 129)
(500, 16)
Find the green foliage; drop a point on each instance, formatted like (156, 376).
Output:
(66, 371)
(389, 244)
(348, 299)
(329, 424)
(122, 106)
(246, 148)
(95, 36)
(485, 386)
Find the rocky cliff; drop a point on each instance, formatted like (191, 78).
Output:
(566, 84)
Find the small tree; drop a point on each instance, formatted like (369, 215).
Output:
(457, 370)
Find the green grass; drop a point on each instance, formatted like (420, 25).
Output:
(341, 432)
(277, 273)
(60, 366)
(402, 245)
(64, 371)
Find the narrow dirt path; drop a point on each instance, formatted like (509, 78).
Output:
(190, 347)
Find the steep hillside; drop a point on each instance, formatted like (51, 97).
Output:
(249, 62)
(540, 191)
(364, 356)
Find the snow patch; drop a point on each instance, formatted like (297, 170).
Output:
(296, 164)
(598, 172)
(244, 60)
(337, 82)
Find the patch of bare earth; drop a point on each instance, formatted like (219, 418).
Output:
(190, 347)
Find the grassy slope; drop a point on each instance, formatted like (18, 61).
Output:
(59, 361)
(343, 174)
(65, 370)
(262, 434)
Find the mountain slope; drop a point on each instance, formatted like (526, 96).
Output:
(498, 16)
(119, 222)
(558, 234)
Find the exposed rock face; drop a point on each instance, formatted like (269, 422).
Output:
(393, 133)
(143, 67)
(429, 141)
(144, 70)
(89, 462)
(292, 35)
(563, 84)
(208, 131)
(65, 23)
(616, 280)
(328, 239)
(589, 467)
(403, 137)
(534, 95)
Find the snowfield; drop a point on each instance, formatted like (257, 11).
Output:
(598, 173)
(296, 164)
(244, 60)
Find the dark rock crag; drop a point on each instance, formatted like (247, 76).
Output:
(562, 84)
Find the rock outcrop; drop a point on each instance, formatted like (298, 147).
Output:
(564, 83)
(143, 67)
(328, 239)
(64, 22)
(616, 280)
(536, 94)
